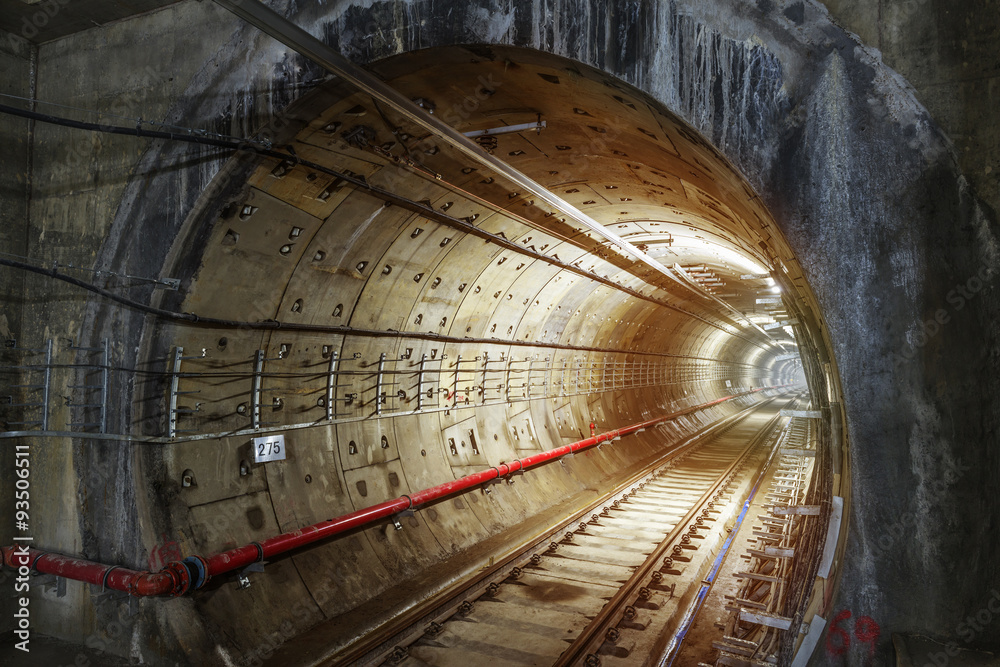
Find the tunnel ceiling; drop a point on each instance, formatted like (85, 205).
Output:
(302, 246)
(406, 318)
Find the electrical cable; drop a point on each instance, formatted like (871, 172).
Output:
(274, 325)
(360, 182)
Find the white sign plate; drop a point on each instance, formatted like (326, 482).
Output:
(268, 448)
(808, 414)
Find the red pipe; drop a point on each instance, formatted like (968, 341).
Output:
(178, 578)
(173, 579)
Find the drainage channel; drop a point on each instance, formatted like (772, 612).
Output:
(606, 587)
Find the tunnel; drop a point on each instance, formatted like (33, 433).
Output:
(326, 323)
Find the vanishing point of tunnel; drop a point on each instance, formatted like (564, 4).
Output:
(413, 332)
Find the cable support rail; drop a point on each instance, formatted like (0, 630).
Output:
(345, 390)
(306, 375)
(438, 180)
(294, 37)
(273, 325)
(357, 181)
(193, 572)
(435, 384)
(138, 121)
(268, 428)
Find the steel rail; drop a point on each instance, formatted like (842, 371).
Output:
(181, 577)
(668, 651)
(370, 649)
(593, 636)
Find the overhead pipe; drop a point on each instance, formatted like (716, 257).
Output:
(385, 195)
(181, 577)
(271, 23)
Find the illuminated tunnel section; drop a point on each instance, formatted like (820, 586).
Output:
(475, 326)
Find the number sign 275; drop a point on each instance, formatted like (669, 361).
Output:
(268, 448)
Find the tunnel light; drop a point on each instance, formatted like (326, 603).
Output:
(727, 255)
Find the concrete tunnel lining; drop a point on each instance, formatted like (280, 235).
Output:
(805, 175)
(366, 265)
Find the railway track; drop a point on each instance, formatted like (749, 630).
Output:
(608, 588)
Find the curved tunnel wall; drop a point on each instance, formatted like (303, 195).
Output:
(610, 344)
(859, 180)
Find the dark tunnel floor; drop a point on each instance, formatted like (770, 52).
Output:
(49, 652)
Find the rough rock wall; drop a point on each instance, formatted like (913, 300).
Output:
(16, 59)
(947, 52)
(864, 186)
